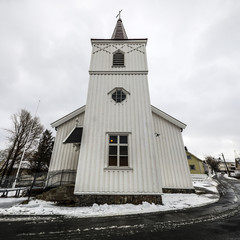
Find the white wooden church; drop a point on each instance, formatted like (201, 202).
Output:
(118, 144)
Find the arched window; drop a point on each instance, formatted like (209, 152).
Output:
(118, 59)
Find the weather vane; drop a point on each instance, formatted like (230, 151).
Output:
(119, 15)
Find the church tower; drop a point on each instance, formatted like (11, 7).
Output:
(118, 152)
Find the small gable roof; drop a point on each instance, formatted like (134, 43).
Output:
(197, 158)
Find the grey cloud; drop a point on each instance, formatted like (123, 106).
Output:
(193, 55)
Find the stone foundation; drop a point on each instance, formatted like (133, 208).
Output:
(63, 195)
(88, 200)
(178, 190)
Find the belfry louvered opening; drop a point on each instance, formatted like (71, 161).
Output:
(118, 59)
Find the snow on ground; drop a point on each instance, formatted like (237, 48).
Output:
(170, 202)
(231, 178)
(207, 183)
(9, 202)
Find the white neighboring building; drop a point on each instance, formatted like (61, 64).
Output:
(123, 146)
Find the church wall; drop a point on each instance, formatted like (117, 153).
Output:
(132, 116)
(64, 156)
(171, 155)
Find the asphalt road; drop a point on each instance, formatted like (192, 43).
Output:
(220, 220)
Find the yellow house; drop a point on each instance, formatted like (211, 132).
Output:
(196, 165)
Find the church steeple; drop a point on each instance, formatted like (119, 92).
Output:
(119, 31)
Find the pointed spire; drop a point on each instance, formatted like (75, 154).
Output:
(119, 31)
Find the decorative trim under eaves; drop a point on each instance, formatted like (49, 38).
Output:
(122, 41)
(118, 72)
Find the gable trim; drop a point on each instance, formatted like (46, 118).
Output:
(168, 117)
(154, 110)
(68, 117)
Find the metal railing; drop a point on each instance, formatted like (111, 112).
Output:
(58, 178)
(15, 192)
(41, 181)
(25, 180)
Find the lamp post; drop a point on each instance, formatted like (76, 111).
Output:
(226, 165)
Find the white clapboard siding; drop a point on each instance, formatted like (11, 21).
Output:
(171, 154)
(132, 116)
(64, 156)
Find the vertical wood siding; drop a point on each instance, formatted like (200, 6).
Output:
(172, 158)
(64, 156)
(132, 116)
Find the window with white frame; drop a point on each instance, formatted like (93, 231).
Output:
(118, 150)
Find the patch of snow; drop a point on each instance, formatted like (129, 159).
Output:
(208, 184)
(232, 178)
(170, 202)
(9, 202)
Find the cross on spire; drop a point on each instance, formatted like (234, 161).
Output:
(119, 31)
(119, 14)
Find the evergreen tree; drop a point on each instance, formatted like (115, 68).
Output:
(41, 158)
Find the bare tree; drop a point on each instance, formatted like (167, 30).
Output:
(19, 139)
(213, 163)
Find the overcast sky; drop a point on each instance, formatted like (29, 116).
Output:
(193, 58)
